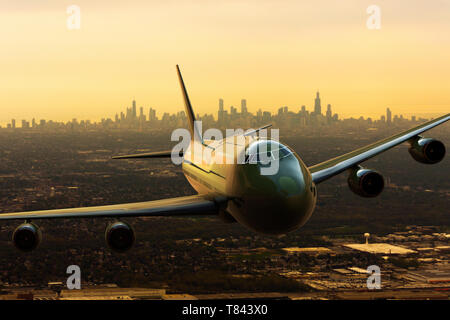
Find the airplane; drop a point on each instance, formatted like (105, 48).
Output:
(238, 192)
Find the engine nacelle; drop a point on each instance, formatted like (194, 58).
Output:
(365, 182)
(119, 236)
(27, 237)
(426, 150)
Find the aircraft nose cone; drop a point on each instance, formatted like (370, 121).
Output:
(277, 203)
(290, 186)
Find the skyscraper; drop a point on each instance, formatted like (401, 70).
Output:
(329, 114)
(152, 115)
(317, 106)
(233, 112)
(220, 113)
(134, 110)
(388, 116)
(243, 106)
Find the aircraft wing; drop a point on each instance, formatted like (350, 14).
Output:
(327, 169)
(182, 206)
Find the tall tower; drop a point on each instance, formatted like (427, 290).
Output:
(388, 116)
(317, 106)
(329, 114)
(220, 113)
(134, 109)
(152, 115)
(243, 106)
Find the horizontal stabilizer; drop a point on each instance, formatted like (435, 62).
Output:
(158, 154)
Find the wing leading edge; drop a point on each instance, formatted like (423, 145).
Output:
(182, 206)
(327, 169)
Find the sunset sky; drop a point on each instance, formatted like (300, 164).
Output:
(273, 53)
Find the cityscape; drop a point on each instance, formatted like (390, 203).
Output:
(131, 119)
(63, 165)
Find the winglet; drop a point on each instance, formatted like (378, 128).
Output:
(188, 108)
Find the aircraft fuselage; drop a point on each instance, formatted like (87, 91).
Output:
(266, 203)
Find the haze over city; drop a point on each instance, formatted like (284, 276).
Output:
(273, 55)
(134, 117)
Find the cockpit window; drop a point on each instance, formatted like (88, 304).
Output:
(264, 151)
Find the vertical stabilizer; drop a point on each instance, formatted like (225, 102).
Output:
(195, 134)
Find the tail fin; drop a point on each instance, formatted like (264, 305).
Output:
(195, 134)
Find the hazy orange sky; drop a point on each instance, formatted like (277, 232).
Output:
(273, 53)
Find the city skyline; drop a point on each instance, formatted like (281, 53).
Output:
(135, 117)
(160, 113)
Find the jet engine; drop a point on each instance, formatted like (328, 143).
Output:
(27, 237)
(365, 182)
(119, 236)
(426, 150)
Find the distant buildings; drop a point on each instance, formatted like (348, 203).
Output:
(243, 107)
(284, 118)
(317, 106)
(388, 116)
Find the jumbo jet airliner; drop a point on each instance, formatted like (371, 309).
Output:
(270, 204)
